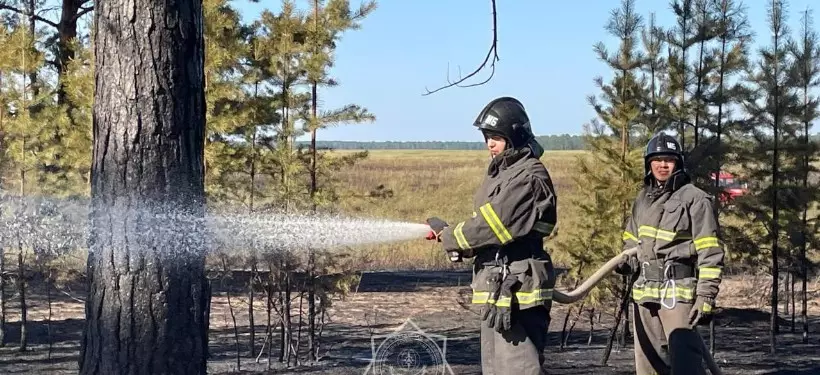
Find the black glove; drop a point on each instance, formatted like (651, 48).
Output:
(437, 225)
(701, 312)
(488, 310)
(503, 313)
(628, 266)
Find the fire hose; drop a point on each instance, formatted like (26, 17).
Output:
(567, 297)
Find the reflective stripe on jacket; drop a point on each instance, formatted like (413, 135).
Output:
(679, 226)
(515, 208)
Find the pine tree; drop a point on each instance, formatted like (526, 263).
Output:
(680, 39)
(623, 93)
(731, 59)
(613, 168)
(716, 21)
(6, 164)
(728, 135)
(657, 96)
(74, 117)
(146, 309)
(595, 233)
(279, 41)
(56, 159)
(324, 27)
(22, 138)
(705, 31)
(769, 102)
(7, 62)
(227, 102)
(805, 76)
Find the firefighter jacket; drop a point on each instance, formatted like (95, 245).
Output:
(677, 231)
(515, 208)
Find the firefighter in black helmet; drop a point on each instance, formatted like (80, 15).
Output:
(678, 265)
(513, 276)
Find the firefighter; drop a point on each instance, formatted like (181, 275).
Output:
(513, 276)
(677, 270)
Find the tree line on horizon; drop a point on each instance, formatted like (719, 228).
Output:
(549, 142)
(563, 142)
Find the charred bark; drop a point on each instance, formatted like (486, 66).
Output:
(564, 328)
(625, 303)
(146, 307)
(269, 308)
(49, 282)
(287, 333)
(2, 296)
(251, 321)
(572, 324)
(790, 298)
(312, 348)
(21, 286)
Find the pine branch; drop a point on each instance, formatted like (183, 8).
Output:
(350, 113)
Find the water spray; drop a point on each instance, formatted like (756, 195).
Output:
(304, 231)
(64, 223)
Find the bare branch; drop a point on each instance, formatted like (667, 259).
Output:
(77, 299)
(83, 11)
(492, 53)
(3, 6)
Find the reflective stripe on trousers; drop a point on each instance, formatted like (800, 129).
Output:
(521, 298)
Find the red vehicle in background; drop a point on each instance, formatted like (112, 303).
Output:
(732, 187)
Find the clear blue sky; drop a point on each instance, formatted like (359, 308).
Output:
(546, 60)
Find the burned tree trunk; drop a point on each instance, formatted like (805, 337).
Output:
(146, 307)
(251, 321)
(21, 287)
(3, 296)
(286, 307)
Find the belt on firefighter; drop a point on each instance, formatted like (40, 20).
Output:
(658, 271)
(504, 256)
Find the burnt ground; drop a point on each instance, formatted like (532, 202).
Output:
(428, 302)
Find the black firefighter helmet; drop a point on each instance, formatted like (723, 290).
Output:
(663, 144)
(507, 118)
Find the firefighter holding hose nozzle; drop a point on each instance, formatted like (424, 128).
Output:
(677, 269)
(513, 276)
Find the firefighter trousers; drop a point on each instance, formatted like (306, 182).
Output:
(665, 344)
(519, 351)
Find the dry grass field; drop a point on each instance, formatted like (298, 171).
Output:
(412, 185)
